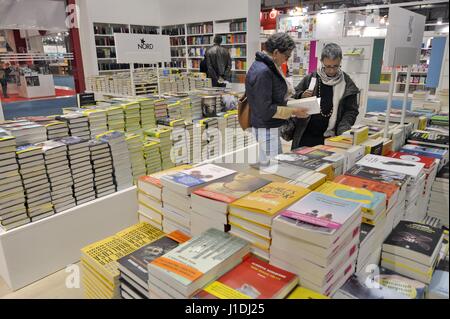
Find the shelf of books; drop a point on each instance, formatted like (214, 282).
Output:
(105, 46)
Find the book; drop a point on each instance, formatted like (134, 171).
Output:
(379, 175)
(135, 264)
(414, 170)
(373, 203)
(339, 141)
(429, 163)
(251, 279)
(303, 161)
(305, 293)
(358, 287)
(414, 241)
(265, 203)
(187, 181)
(191, 265)
(438, 153)
(216, 196)
(429, 139)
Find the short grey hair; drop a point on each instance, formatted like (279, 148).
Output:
(279, 41)
(331, 51)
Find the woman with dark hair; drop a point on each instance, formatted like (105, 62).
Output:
(338, 101)
(267, 93)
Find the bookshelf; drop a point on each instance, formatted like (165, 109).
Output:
(106, 49)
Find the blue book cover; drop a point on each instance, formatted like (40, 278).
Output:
(198, 175)
(424, 151)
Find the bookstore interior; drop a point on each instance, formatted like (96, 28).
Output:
(149, 182)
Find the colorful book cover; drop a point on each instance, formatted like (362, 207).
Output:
(137, 261)
(416, 237)
(362, 288)
(155, 179)
(232, 187)
(198, 175)
(410, 288)
(305, 293)
(379, 175)
(369, 200)
(412, 169)
(388, 189)
(251, 279)
(429, 138)
(322, 210)
(425, 151)
(271, 198)
(196, 257)
(427, 161)
(341, 140)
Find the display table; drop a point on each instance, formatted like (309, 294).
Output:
(32, 86)
(36, 250)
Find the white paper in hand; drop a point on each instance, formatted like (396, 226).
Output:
(311, 104)
(312, 84)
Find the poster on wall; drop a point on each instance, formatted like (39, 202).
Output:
(142, 48)
(404, 37)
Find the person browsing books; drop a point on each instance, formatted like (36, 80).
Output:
(267, 93)
(218, 61)
(338, 101)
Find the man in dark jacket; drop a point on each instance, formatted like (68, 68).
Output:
(218, 61)
(5, 71)
(338, 101)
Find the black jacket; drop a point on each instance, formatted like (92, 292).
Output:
(348, 109)
(266, 89)
(218, 60)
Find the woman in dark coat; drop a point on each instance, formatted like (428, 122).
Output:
(338, 101)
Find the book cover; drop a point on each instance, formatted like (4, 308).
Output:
(410, 288)
(137, 261)
(271, 198)
(429, 138)
(298, 159)
(378, 175)
(155, 179)
(412, 169)
(197, 176)
(427, 161)
(251, 279)
(361, 288)
(416, 237)
(425, 151)
(368, 199)
(305, 293)
(232, 187)
(196, 257)
(375, 186)
(322, 210)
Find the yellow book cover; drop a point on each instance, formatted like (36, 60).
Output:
(140, 234)
(341, 139)
(370, 201)
(130, 105)
(88, 271)
(271, 198)
(101, 288)
(361, 135)
(305, 293)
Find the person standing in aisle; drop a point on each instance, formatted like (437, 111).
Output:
(338, 101)
(218, 61)
(5, 70)
(267, 93)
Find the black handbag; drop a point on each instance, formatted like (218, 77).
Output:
(287, 130)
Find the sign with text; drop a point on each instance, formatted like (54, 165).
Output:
(142, 48)
(404, 37)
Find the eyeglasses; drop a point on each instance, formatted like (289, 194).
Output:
(331, 67)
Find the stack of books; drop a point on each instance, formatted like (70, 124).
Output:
(176, 193)
(148, 119)
(186, 269)
(160, 109)
(335, 159)
(35, 181)
(133, 267)
(56, 129)
(12, 199)
(412, 250)
(189, 132)
(199, 143)
(120, 157)
(251, 279)
(59, 175)
(116, 121)
(25, 132)
(230, 130)
(305, 293)
(351, 155)
(98, 122)
(177, 130)
(438, 153)
(78, 124)
(132, 115)
(439, 198)
(135, 148)
(251, 216)
(99, 267)
(152, 156)
(426, 138)
(414, 170)
(317, 239)
(302, 161)
(150, 196)
(162, 135)
(103, 168)
(212, 135)
(174, 110)
(196, 105)
(186, 109)
(81, 168)
(210, 203)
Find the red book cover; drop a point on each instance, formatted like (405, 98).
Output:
(374, 186)
(254, 279)
(428, 161)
